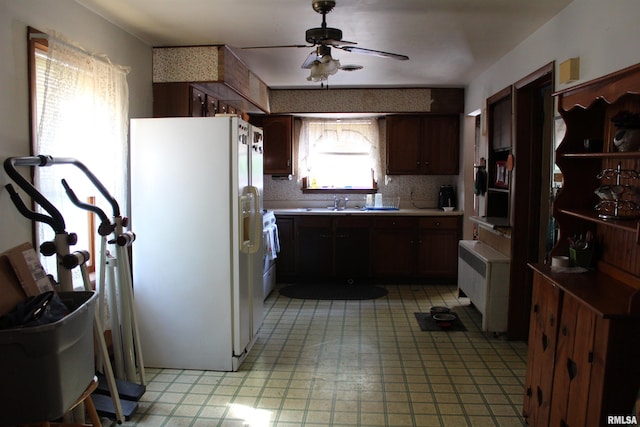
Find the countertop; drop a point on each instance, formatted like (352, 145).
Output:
(360, 211)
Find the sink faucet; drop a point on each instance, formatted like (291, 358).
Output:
(337, 202)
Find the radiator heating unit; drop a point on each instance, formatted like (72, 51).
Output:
(483, 276)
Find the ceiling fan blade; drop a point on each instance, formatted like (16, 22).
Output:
(338, 43)
(362, 50)
(277, 46)
(313, 56)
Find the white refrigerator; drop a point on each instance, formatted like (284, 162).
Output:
(196, 212)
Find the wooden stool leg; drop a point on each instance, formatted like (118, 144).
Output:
(93, 414)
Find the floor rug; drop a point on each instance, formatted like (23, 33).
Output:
(333, 291)
(427, 323)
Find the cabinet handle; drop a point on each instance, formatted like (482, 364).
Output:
(437, 223)
(288, 162)
(572, 368)
(536, 308)
(539, 395)
(565, 330)
(203, 106)
(545, 342)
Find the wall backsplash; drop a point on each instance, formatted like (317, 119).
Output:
(284, 193)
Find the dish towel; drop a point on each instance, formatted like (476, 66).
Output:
(480, 186)
(271, 242)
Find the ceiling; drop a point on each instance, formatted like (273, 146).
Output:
(449, 42)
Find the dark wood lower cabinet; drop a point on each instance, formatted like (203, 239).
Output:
(365, 247)
(351, 260)
(285, 263)
(438, 247)
(584, 347)
(394, 247)
(314, 246)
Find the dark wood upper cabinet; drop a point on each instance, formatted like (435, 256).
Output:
(423, 144)
(499, 114)
(404, 138)
(278, 145)
(183, 99)
(442, 148)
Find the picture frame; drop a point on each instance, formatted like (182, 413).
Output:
(502, 175)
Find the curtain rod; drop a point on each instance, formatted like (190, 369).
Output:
(100, 57)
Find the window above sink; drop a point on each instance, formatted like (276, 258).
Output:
(339, 155)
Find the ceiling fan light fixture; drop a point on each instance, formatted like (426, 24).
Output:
(329, 66)
(323, 68)
(316, 72)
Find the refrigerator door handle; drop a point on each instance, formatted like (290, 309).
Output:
(250, 220)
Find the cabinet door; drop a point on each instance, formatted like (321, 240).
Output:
(278, 142)
(404, 141)
(285, 262)
(572, 375)
(393, 247)
(543, 332)
(351, 255)
(172, 100)
(438, 247)
(198, 106)
(441, 145)
(314, 246)
(500, 131)
(211, 107)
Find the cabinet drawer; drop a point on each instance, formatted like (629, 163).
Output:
(313, 221)
(395, 222)
(439, 222)
(352, 221)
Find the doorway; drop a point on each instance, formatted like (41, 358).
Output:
(533, 120)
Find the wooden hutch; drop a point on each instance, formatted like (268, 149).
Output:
(584, 342)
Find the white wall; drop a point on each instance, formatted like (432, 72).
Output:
(75, 23)
(604, 34)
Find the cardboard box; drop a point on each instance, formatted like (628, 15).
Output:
(21, 276)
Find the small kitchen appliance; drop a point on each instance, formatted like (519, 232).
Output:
(446, 196)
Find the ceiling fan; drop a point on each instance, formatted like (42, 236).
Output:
(323, 38)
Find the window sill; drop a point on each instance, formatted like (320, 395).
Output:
(339, 190)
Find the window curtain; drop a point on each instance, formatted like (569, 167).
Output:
(83, 114)
(312, 129)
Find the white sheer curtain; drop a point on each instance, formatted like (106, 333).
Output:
(339, 153)
(83, 114)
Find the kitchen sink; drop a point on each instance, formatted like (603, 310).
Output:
(331, 209)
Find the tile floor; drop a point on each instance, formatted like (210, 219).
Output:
(352, 363)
